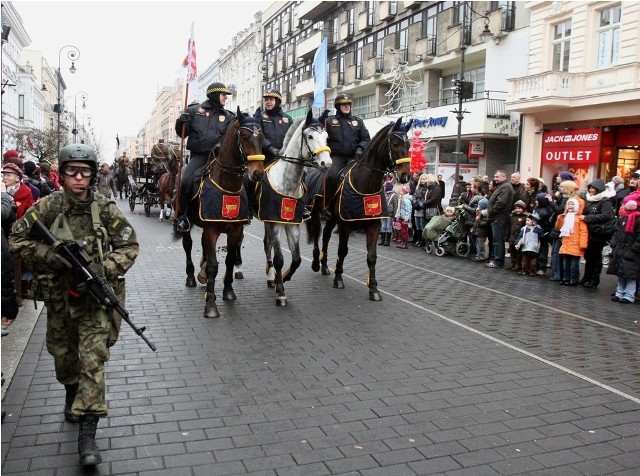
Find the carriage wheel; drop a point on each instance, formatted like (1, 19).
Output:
(462, 249)
(440, 251)
(132, 202)
(147, 204)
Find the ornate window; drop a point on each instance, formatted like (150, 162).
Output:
(561, 46)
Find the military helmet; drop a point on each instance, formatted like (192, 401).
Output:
(215, 88)
(272, 93)
(78, 153)
(342, 99)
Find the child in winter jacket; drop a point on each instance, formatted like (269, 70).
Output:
(575, 236)
(516, 222)
(480, 229)
(528, 244)
(404, 215)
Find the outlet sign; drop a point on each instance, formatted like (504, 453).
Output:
(580, 146)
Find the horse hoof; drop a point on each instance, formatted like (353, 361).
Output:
(375, 296)
(191, 282)
(229, 295)
(271, 284)
(338, 284)
(281, 301)
(202, 278)
(238, 275)
(211, 312)
(326, 272)
(315, 267)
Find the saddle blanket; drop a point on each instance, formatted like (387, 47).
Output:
(352, 205)
(220, 205)
(275, 207)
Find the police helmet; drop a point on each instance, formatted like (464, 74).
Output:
(78, 153)
(342, 99)
(272, 93)
(215, 89)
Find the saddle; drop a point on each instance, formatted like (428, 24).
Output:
(218, 205)
(352, 205)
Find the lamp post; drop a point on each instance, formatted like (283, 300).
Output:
(464, 89)
(264, 67)
(83, 96)
(73, 53)
(88, 117)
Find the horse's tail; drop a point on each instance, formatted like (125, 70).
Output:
(314, 224)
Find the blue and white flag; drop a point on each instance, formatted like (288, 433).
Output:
(320, 74)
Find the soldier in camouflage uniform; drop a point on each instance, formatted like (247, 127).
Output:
(77, 328)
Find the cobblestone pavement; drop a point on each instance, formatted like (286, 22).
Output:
(460, 370)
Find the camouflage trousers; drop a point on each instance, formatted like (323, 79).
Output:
(77, 339)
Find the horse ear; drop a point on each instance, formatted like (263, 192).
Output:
(239, 114)
(309, 119)
(397, 124)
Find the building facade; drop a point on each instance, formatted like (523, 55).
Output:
(580, 99)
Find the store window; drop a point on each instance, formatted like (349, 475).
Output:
(562, 46)
(609, 36)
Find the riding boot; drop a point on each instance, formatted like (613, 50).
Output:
(182, 222)
(71, 391)
(87, 446)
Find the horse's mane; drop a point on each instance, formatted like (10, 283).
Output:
(292, 130)
(379, 138)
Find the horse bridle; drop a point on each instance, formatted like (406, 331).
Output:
(310, 162)
(401, 135)
(239, 170)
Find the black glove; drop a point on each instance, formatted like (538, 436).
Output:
(359, 153)
(273, 151)
(323, 116)
(57, 262)
(184, 117)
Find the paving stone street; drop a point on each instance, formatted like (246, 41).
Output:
(459, 370)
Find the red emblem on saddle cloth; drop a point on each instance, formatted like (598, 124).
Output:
(230, 206)
(288, 208)
(372, 205)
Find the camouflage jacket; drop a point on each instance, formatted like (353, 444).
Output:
(122, 248)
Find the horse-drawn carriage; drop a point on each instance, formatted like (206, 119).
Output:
(144, 185)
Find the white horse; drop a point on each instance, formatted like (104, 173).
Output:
(279, 198)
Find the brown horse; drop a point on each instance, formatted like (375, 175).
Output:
(358, 203)
(166, 184)
(221, 205)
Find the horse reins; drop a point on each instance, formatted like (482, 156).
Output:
(310, 162)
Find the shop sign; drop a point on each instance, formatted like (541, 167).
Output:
(580, 146)
(476, 148)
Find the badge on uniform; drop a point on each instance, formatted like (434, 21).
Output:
(280, 121)
(265, 116)
(285, 119)
(354, 123)
(334, 122)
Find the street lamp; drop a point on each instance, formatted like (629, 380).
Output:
(88, 117)
(73, 53)
(265, 67)
(464, 89)
(83, 96)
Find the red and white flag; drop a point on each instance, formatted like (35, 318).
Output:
(190, 60)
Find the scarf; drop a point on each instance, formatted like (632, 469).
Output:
(631, 221)
(569, 219)
(12, 190)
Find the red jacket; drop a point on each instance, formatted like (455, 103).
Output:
(23, 198)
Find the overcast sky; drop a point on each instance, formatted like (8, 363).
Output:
(129, 50)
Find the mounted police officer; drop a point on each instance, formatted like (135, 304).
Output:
(205, 125)
(347, 138)
(79, 331)
(275, 124)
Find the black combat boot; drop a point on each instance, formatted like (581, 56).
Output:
(70, 396)
(87, 447)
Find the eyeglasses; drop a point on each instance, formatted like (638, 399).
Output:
(85, 172)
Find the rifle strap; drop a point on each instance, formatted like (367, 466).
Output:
(101, 233)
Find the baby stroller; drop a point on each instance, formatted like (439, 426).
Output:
(452, 239)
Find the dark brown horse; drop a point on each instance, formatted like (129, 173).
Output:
(166, 184)
(359, 202)
(222, 186)
(122, 180)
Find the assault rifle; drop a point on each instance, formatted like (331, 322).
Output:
(97, 286)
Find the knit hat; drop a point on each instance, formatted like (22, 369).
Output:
(631, 205)
(636, 175)
(11, 153)
(520, 204)
(12, 169)
(483, 204)
(29, 168)
(534, 217)
(575, 202)
(566, 175)
(617, 180)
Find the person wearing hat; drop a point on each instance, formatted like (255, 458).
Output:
(32, 176)
(631, 193)
(348, 137)
(12, 177)
(625, 257)
(480, 230)
(79, 332)
(528, 245)
(204, 125)
(160, 156)
(517, 220)
(275, 124)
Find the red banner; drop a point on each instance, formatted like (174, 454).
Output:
(580, 146)
(372, 205)
(288, 208)
(230, 206)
